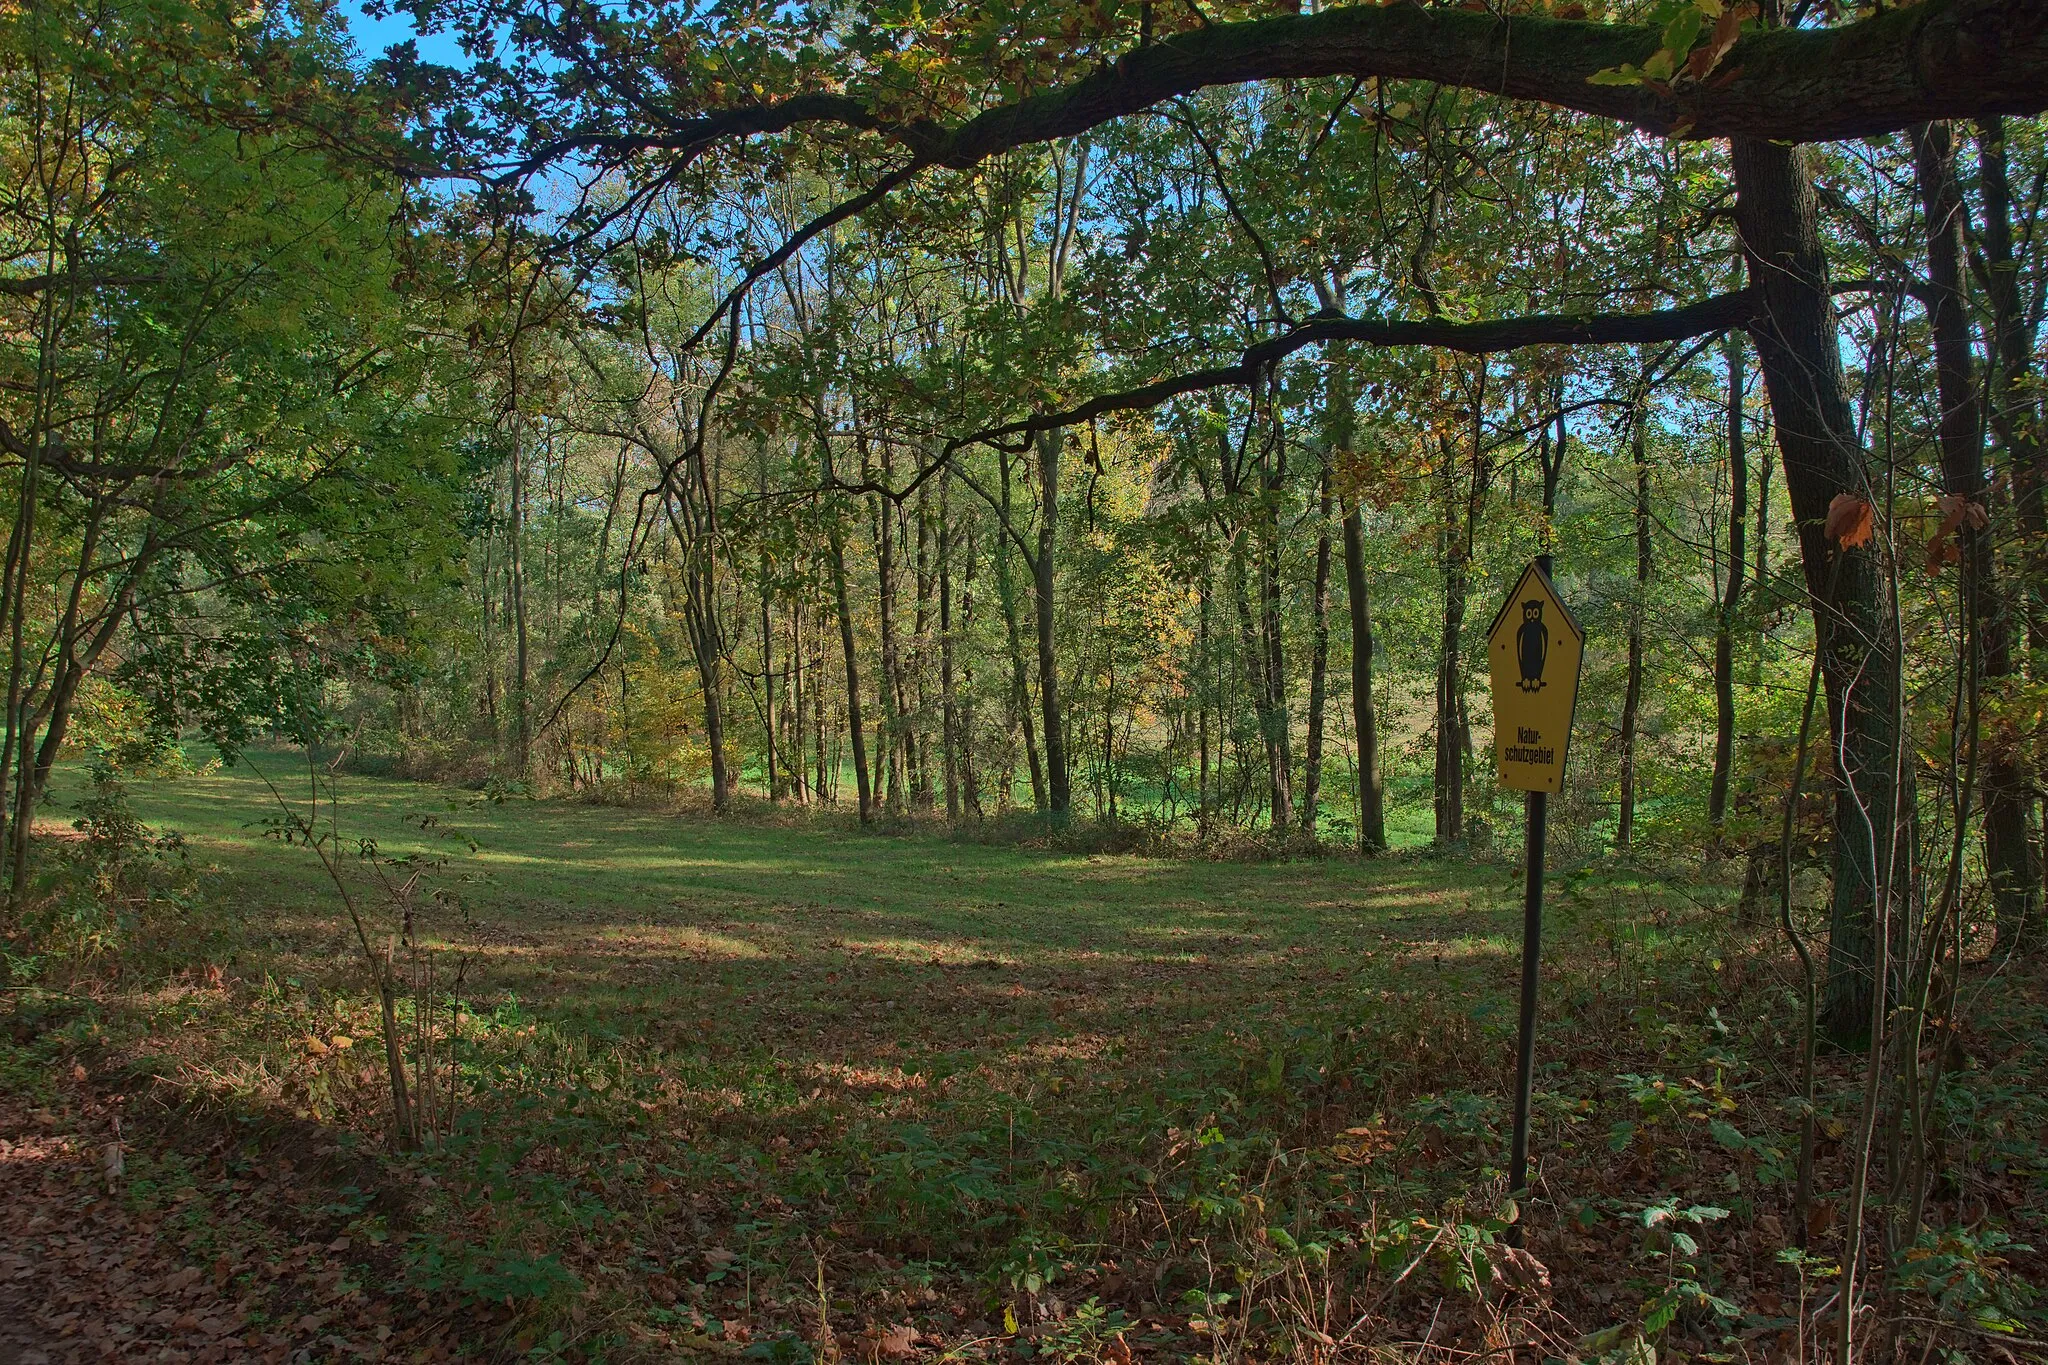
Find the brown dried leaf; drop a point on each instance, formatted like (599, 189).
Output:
(1523, 1272)
(1727, 29)
(880, 1343)
(1850, 521)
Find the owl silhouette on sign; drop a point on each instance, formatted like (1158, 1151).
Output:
(1532, 646)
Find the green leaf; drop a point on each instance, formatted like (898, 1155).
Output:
(1682, 32)
(1625, 74)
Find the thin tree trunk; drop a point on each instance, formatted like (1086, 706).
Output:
(949, 722)
(516, 564)
(915, 743)
(1258, 660)
(1058, 795)
(2015, 402)
(1202, 701)
(2007, 857)
(861, 780)
(796, 704)
(1341, 424)
(1632, 695)
(1020, 685)
(889, 686)
(1275, 720)
(1372, 820)
(768, 684)
(824, 784)
(970, 780)
(1318, 665)
(1731, 595)
(1449, 779)
(704, 643)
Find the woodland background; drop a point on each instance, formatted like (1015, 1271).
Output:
(487, 445)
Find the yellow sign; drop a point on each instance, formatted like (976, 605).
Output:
(1533, 653)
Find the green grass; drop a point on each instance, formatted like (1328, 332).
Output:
(829, 946)
(704, 1062)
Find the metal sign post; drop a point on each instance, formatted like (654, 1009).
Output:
(1533, 654)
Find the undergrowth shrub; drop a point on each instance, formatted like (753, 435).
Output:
(97, 891)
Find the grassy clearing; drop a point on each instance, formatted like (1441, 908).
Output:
(776, 1086)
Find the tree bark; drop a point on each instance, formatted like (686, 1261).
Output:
(768, 684)
(1731, 595)
(1940, 59)
(1257, 661)
(1318, 666)
(1341, 426)
(1275, 718)
(1020, 684)
(1372, 820)
(1632, 693)
(970, 778)
(949, 706)
(1449, 780)
(1051, 718)
(2007, 857)
(916, 744)
(1202, 700)
(862, 783)
(522, 723)
(1799, 353)
(889, 685)
(2015, 402)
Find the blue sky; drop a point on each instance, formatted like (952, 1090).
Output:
(372, 36)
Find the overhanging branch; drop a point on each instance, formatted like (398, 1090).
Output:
(1939, 59)
(1711, 315)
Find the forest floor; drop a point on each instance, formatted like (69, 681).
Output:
(772, 1087)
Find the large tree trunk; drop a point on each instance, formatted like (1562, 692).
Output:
(1731, 594)
(861, 780)
(1799, 352)
(2006, 854)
